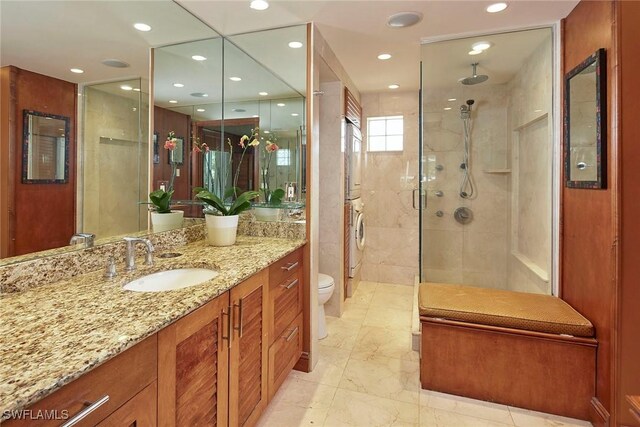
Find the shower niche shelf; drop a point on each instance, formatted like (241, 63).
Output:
(497, 171)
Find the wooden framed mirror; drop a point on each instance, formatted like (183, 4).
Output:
(585, 123)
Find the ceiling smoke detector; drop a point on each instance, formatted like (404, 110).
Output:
(404, 19)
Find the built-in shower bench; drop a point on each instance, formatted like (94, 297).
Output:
(526, 350)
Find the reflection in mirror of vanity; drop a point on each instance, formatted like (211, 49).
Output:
(111, 146)
(188, 102)
(585, 123)
(45, 146)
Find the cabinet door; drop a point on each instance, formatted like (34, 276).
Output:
(248, 355)
(140, 411)
(193, 368)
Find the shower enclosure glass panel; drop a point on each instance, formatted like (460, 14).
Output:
(487, 134)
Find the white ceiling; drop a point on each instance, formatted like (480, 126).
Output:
(357, 30)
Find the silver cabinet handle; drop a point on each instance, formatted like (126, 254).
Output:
(291, 335)
(240, 325)
(291, 285)
(86, 411)
(228, 315)
(290, 266)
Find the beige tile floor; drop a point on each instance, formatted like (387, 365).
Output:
(367, 375)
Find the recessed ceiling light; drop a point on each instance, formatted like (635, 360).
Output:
(266, 131)
(384, 56)
(178, 85)
(126, 87)
(295, 114)
(451, 99)
(259, 5)
(200, 110)
(263, 93)
(255, 115)
(239, 110)
(404, 19)
(475, 52)
(394, 86)
(76, 70)
(135, 89)
(198, 58)
(447, 108)
(173, 101)
(280, 104)
(481, 46)
(142, 27)
(199, 95)
(295, 45)
(235, 79)
(496, 7)
(115, 63)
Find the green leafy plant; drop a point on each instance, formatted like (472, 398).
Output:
(241, 204)
(161, 200)
(275, 196)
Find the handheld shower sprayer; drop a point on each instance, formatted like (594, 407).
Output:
(467, 189)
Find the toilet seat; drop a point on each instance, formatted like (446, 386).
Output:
(324, 281)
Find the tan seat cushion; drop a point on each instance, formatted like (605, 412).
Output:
(518, 310)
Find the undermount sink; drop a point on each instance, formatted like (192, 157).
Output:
(170, 280)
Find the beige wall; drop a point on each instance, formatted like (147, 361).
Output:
(331, 192)
(531, 124)
(114, 164)
(391, 249)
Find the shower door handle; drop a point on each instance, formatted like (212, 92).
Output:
(422, 199)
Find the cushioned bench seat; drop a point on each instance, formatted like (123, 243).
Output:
(524, 350)
(518, 310)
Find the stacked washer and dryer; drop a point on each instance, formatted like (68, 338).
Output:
(353, 146)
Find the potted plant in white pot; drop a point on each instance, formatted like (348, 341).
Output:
(222, 221)
(162, 217)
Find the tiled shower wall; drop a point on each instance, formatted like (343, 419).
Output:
(475, 253)
(391, 249)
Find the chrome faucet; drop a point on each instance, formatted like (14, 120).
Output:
(86, 239)
(130, 257)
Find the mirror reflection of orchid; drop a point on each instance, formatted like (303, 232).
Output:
(161, 199)
(245, 142)
(271, 197)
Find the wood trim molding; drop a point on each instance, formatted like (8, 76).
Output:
(599, 416)
(7, 159)
(303, 364)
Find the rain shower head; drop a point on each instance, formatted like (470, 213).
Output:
(475, 78)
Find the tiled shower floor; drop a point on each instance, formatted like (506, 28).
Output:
(367, 375)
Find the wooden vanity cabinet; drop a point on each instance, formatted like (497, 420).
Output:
(286, 281)
(140, 411)
(102, 392)
(193, 367)
(249, 349)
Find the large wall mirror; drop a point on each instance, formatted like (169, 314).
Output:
(97, 74)
(585, 123)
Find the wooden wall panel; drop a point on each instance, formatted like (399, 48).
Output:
(7, 154)
(44, 213)
(587, 232)
(628, 372)
(165, 121)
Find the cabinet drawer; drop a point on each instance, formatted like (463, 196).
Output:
(285, 299)
(284, 353)
(120, 379)
(285, 267)
(140, 411)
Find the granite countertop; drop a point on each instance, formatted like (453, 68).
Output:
(52, 334)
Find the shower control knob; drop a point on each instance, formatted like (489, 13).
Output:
(439, 214)
(439, 193)
(463, 166)
(439, 167)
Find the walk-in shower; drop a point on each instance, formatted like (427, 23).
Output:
(486, 161)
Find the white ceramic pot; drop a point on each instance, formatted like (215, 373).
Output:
(266, 214)
(166, 221)
(221, 230)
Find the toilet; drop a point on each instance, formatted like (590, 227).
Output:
(325, 290)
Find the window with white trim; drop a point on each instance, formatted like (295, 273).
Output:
(283, 157)
(385, 133)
